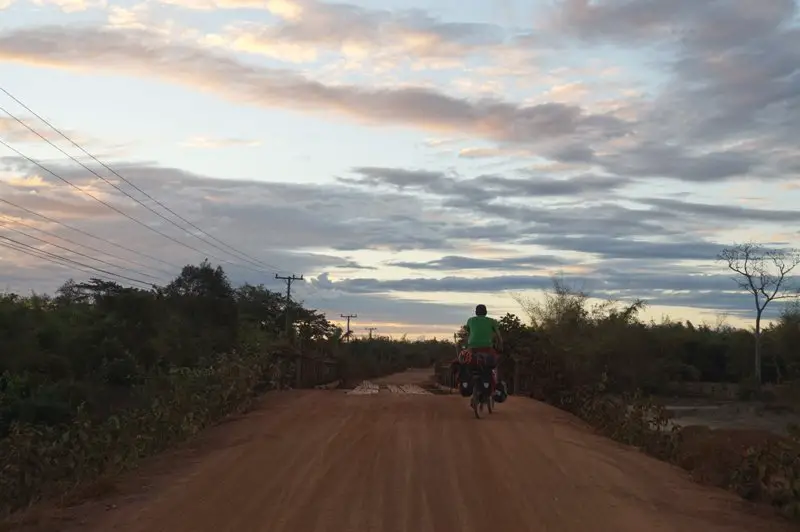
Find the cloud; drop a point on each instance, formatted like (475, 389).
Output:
(728, 108)
(483, 187)
(211, 143)
(446, 284)
(292, 227)
(137, 52)
(562, 132)
(308, 28)
(602, 284)
(327, 295)
(12, 130)
(248, 212)
(491, 153)
(23, 273)
(456, 262)
(487, 196)
(707, 23)
(318, 216)
(618, 248)
(725, 212)
(731, 100)
(568, 212)
(136, 17)
(211, 5)
(439, 142)
(324, 228)
(656, 159)
(71, 6)
(681, 289)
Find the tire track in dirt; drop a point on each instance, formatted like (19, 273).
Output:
(327, 461)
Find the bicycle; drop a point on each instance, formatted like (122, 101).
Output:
(482, 390)
(474, 374)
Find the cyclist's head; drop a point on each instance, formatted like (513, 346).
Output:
(480, 310)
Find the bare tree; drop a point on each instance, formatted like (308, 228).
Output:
(764, 273)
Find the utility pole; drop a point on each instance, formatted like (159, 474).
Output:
(370, 329)
(348, 316)
(289, 280)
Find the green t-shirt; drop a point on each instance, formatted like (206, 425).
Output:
(481, 331)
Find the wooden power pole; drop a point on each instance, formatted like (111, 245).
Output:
(298, 372)
(370, 329)
(289, 280)
(348, 316)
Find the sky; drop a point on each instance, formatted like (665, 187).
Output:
(410, 159)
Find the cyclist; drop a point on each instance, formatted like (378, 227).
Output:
(482, 331)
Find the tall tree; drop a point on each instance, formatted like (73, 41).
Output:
(206, 303)
(766, 274)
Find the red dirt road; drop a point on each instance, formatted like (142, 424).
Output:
(326, 461)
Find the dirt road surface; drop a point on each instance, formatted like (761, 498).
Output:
(400, 461)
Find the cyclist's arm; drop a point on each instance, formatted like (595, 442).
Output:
(499, 336)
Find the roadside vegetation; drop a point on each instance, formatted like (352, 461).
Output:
(608, 367)
(97, 376)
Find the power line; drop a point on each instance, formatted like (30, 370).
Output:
(115, 209)
(312, 291)
(123, 268)
(115, 186)
(65, 259)
(241, 255)
(49, 233)
(173, 267)
(85, 233)
(35, 253)
(74, 262)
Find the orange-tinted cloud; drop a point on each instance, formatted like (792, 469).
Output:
(309, 27)
(144, 54)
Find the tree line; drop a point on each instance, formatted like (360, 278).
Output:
(567, 342)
